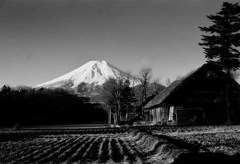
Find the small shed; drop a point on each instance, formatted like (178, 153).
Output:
(201, 97)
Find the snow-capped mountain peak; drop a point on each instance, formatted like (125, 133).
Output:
(93, 72)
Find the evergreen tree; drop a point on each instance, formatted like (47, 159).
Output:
(6, 90)
(221, 45)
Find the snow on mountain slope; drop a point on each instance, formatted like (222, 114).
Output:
(93, 72)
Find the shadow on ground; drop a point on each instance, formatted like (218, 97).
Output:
(207, 158)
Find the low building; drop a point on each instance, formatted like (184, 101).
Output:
(202, 97)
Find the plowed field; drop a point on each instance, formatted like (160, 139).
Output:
(162, 145)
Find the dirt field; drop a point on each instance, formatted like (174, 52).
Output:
(119, 145)
(215, 139)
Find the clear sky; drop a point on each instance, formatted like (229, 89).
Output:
(43, 39)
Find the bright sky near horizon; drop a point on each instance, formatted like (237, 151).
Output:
(41, 40)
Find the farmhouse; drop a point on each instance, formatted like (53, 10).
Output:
(201, 97)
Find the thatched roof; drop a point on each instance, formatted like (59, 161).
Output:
(163, 96)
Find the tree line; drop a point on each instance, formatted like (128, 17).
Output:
(28, 106)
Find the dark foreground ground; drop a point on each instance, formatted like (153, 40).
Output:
(164, 145)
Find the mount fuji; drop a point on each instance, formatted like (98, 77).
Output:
(89, 76)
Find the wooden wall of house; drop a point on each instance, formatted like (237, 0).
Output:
(159, 115)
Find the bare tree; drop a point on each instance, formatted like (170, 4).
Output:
(120, 98)
(144, 76)
(111, 94)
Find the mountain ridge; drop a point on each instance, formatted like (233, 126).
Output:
(93, 73)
